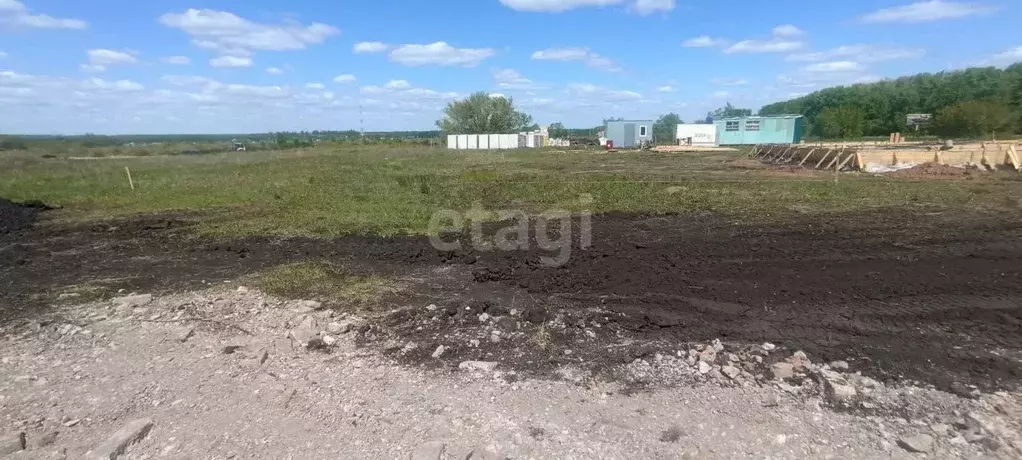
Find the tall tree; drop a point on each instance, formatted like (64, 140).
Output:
(666, 127)
(729, 111)
(842, 122)
(885, 104)
(974, 119)
(482, 114)
(557, 130)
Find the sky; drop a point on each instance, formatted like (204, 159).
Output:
(247, 66)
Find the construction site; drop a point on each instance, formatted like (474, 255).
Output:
(891, 156)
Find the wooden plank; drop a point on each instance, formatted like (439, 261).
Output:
(768, 152)
(807, 157)
(859, 163)
(834, 161)
(822, 159)
(778, 157)
(1013, 154)
(755, 151)
(788, 158)
(843, 163)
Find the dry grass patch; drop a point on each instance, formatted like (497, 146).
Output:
(334, 285)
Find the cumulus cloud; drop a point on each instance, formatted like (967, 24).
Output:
(606, 94)
(511, 79)
(784, 39)
(104, 57)
(760, 46)
(227, 33)
(370, 47)
(1007, 57)
(729, 82)
(704, 41)
(642, 7)
(787, 30)
(667, 89)
(835, 66)
(176, 60)
(345, 78)
(315, 86)
(231, 61)
(591, 59)
(439, 53)
(15, 13)
(274, 70)
(928, 11)
(860, 53)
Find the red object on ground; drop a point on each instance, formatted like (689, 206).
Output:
(610, 144)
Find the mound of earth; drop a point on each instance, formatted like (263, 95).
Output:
(16, 216)
(933, 170)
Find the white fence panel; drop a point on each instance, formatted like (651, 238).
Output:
(452, 141)
(473, 141)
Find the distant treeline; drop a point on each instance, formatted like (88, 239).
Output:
(976, 103)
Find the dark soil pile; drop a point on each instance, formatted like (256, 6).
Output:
(933, 170)
(16, 216)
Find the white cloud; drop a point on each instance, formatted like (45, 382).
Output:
(92, 68)
(176, 60)
(496, 95)
(704, 41)
(720, 94)
(667, 89)
(439, 53)
(1007, 57)
(119, 85)
(15, 13)
(834, 67)
(227, 33)
(860, 53)
(555, 6)
(605, 94)
(511, 79)
(103, 57)
(3, 55)
(274, 70)
(397, 84)
(758, 46)
(784, 39)
(370, 47)
(231, 61)
(345, 78)
(645, 7)
(929, 11)
(729, 82)
(787, 30)
(805, 82)
(577, 54)
(315, 86)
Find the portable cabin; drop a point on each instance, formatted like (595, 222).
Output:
(779, 129)
(629, 133)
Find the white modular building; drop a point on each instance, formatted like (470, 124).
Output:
(694, 134)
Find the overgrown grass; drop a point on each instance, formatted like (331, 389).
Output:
(382, 190)
(325, 282)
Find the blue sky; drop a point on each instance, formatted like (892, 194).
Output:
(120, 66)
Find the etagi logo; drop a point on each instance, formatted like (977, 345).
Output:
(556, 238)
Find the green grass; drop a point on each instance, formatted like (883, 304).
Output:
(322, 281)
(385, 190)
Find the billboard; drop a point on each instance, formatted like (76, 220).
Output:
(916, 119)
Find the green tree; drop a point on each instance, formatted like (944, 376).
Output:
(557, 130)
(974, 119)
(729, 111)
(666, 127)
(842, 122)
(482, 114)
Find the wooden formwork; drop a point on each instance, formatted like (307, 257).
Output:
(993, 155)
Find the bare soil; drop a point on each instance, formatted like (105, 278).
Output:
(902, 295)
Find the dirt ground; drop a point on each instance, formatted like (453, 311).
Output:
(911, 299)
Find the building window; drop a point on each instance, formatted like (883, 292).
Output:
(752, 125)
(731, 126)
(642, 131)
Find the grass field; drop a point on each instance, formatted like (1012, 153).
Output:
(382, 190)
